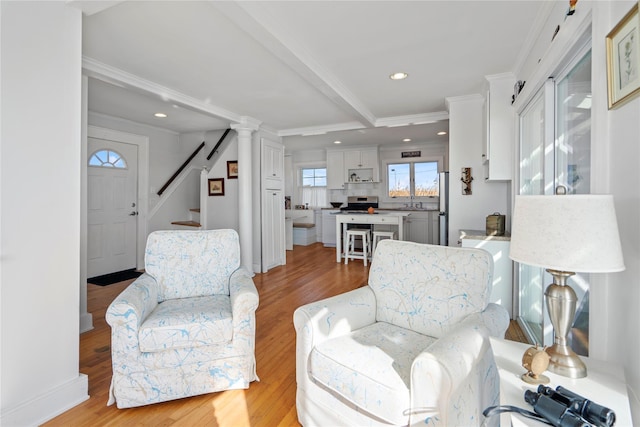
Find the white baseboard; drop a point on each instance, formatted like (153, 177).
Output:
(47, 405)
(86, 322)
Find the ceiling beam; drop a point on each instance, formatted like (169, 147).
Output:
(255, 21)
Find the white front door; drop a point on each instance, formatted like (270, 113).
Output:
(112, 211)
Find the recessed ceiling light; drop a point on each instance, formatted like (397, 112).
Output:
(160, 115)
(442, 133)
(406, 140)
(398, 76)
(337, 142)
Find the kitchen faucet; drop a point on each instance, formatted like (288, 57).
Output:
(412, 204)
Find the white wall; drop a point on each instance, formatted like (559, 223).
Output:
(620, 340)
(40, 118)
(465, 150)
(223, 210)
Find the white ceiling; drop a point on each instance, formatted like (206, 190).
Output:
(312, 71)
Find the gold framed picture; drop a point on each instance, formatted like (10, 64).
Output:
(623, 59)
(232, 169)
(216, 187)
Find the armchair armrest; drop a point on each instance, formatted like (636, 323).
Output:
(439, 375)
(328, 318)
(127, 312)
(244, 296)
(495, 318)
(335, 316)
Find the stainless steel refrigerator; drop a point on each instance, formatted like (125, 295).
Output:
(443, 180)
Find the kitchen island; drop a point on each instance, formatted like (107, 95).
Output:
(378, 218)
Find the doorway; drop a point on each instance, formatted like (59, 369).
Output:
(112, 206)
(141, 142)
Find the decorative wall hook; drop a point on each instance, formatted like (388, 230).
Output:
(466, 181)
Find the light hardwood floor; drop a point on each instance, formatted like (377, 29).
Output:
(310, 274)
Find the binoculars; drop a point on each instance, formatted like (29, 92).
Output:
(563, 408)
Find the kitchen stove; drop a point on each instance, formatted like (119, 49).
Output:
(360, 204)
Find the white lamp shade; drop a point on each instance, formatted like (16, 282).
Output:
(574, 233)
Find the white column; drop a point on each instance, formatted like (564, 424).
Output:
(245, 130)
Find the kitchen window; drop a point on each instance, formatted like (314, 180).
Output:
(412, 179)
(313, 187)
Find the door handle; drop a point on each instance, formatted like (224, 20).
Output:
(133, 213)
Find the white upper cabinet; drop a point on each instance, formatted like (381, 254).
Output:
(352, 166)
(335, 170)
(363, 163)
(499, 138)
(272, 164)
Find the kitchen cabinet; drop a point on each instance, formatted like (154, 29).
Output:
(498, 247)
(272, 164)
(335, 170)
(363, 162)
(422, 227)
(499, 135)
(273, 232)
(342, 163)
(273, 229)
(317, 219)
(288, 224)
(329, 227)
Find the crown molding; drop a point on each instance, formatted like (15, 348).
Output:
(413, 119)
(130, 122)
(320, 130)
(101, 71)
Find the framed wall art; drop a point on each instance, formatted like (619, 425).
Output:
(216, 186)
(232, 169)
(623, 59)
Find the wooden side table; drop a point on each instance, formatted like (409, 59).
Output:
(604, 384)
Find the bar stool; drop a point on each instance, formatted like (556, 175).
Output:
(349, 245)
(379, 235)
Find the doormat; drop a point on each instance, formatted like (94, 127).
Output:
(116, 277)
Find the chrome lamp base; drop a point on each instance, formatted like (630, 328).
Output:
(561, 303)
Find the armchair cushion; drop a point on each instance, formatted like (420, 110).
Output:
(191, 264)
(381, 386)
(428, 288)
(187, 322)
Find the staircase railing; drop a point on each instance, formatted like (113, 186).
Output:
(180, 169)
(224, 135)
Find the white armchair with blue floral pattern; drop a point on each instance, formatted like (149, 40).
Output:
(187, 325)
(411, 348)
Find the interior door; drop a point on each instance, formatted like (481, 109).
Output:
(112, 181)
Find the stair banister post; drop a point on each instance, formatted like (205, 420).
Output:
(245, 129)
(204, 198)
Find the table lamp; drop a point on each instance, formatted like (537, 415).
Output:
(565, 234)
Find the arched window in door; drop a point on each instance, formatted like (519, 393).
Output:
(107, 159)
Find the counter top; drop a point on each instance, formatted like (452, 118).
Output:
(391, 209)
(410, 209)
(482, 235)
